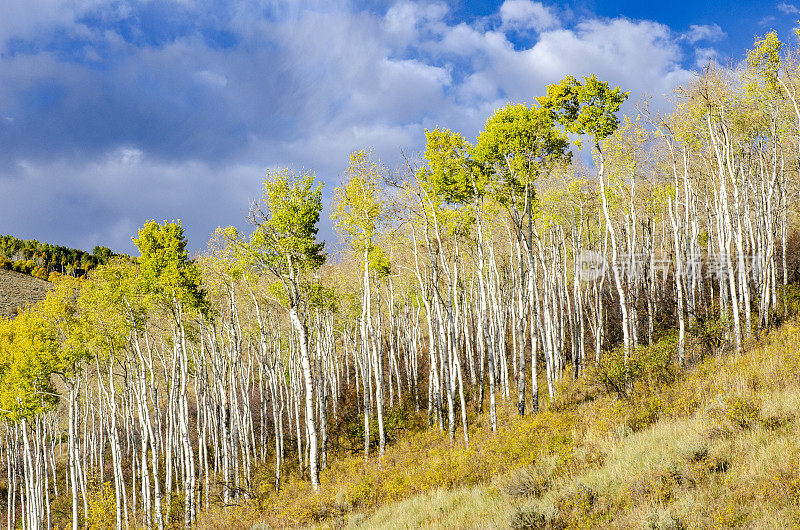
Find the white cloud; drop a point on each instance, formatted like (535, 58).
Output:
(211, 78)
(103, 202)
(707, 32)
(788, 9)
(704, 57)
(129, 156)
(525, 14)
(403, 19)
(767, 20)
(640, 56)
(185, 130)
(27, 18)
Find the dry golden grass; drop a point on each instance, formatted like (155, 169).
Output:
(718, 449)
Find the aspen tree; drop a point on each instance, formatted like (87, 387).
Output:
(174, 281)
(517, 146)
(284, 245)
(28, 349)
(590, 108)
(72, 355)
(359, 212)
(455, 177)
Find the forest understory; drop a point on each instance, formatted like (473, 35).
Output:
(712, 448)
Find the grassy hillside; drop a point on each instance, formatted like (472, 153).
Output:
(17, 289)
(714, 447)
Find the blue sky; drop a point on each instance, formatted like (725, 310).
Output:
(113, 112)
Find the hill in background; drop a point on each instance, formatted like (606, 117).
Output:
(17, 289)
(38, 259)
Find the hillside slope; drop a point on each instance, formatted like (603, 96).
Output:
(715, 447)
(17, 289)
(722, 454)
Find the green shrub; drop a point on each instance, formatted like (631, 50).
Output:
(647, 369)
(102, 506)
(742, 411)
(531, 480)
(531, 517)
(791, 297)
(663, 521)
(644, 411)
(708, 334)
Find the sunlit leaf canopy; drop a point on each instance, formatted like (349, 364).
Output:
(165, 265)
(284, 240)
(589, 107)
(358, 208)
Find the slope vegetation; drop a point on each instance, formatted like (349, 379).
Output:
(712, 447)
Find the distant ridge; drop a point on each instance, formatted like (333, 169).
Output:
(17, 289)
(39, 259)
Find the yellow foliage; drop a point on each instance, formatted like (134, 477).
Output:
(102, 508)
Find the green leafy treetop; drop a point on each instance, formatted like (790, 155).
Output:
(284, 241)
(765, 59)
(453, 173)
(102, 254)
(51, 338)
(518, 145)
(112, 301)
(165, 266)
(357, 206)
(584, 108)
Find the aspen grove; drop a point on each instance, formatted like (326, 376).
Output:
(468, 276)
